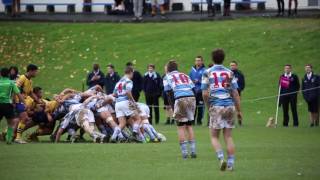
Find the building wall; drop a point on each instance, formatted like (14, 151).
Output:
(270, 4)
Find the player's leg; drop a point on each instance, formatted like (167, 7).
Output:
(118, 128)
(23, 116)
(215, 133)
(182, 140)
(192, 141)
(230, 147)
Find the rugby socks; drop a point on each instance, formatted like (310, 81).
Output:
(103, 129)
(192, 144)
(230, 161)
(184, 149)
(148, 131)
(155, 133)
(20, 129)
(116, 131)
(9, 135)
(220, 155)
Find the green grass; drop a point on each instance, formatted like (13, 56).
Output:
(262, 47)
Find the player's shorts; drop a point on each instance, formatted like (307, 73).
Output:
(84, 115)
(126, 108)
(107, 107)
(144, 110)
(40, 117)
(184, 109)
(157, 2)
(222, 117)
(313, 106)
(6, 110)
(20, 108)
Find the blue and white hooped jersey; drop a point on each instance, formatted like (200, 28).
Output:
(220, 82)
(179, 83)
(121, 89)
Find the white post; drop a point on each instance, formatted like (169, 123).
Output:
(278, 100)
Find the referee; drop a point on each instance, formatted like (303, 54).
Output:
(7, 89)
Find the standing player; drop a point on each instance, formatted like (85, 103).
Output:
(126, 107)
(179, 87)
(221, 96)
(7, 87)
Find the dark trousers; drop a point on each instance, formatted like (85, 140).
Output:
(280, 6)
(136, 96)
(198, 115)
(153, 100)
(285, 101)
(210, 7)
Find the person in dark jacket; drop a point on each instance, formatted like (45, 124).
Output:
(238, 75)
(96, 77)
(137, 82)
(196, 75)
(152, 87)
(111, 79)
(310, 91)
(289, 84)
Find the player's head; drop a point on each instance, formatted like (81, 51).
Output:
(5, 72)
(233, 65)
(96, 67)
(13, 71)
(110, 68)
(198, 61)
(287, 68)
(217, 56)
(129, 72)
(32, 70)
(308, 68)
(172, 65)
(151, 67)
(38, 92)
(129, 64)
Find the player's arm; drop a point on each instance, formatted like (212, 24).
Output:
(59, 133)
(205, 88)
(205, 96)
(170, 96)
(129, 94)
(88, 100)
(236, 98)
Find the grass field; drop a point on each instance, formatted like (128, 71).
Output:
(262, 46)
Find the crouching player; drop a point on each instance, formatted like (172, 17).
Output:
(219, 91)
(179, 87)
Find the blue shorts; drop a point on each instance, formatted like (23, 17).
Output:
(20, 108)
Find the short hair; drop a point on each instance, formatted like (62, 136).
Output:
(172, 66)
(151, 65)
(129, 64)
(128, 70)
(5, 72)
(37, 89)
(218, 56)
(15, 68)
(200, 57)
(310, 65)
(235, 62)
(32, 67)
(289, 65)
(110, 66)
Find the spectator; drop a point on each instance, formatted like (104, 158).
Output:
(211, 9)
(95, 77)
(154, 4)
(152, 87)
(289, 84)
(295, 7)
(226, 7)
(195, 75)
(310, 85)
(280, 7)
(238, 75)
(14, 73)
(111, 79)
(167, 107)
(137, 10)
(137, 82)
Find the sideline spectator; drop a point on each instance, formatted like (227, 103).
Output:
(111, 79)
(95, 77)
(160, 3)
(280, 8)
(311, 83)
(295, 8)
(238, 76)
(137, 82)
(226, 7)
(195, 75)
(290, 86)
(152, 87)
(137, 10)
(211, 9)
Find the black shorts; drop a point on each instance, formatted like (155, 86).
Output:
(6, 110)
(313, 106)
(188, 123)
